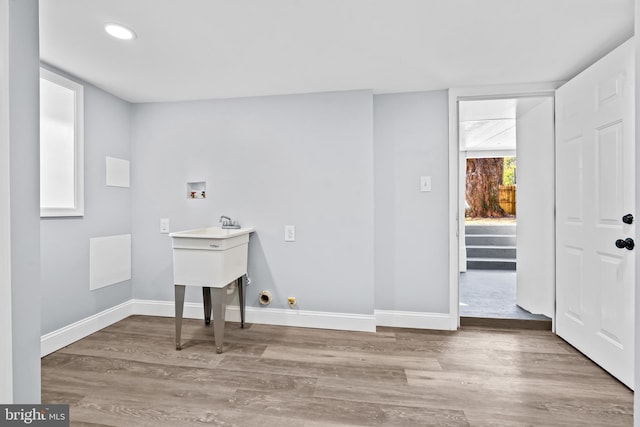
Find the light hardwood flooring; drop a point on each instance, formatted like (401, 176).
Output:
(130, 374)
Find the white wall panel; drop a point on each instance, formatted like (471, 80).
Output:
(109, 260)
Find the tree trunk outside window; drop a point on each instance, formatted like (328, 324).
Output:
(484, 176)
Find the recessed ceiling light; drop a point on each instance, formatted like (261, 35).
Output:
(120, 32)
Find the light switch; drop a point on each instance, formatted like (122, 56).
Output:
(425, 183)
(289, 233)
(164, 225)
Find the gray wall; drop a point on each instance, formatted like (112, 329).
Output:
(24, 115)
(411, 240)
(66, 297)
(305, 160)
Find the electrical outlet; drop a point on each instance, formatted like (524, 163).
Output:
(164, 225)
(289, 233)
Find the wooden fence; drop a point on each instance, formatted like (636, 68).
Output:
(507, 198)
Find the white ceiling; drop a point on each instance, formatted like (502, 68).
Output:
(488, 109)
(488, 124)
(199, 49)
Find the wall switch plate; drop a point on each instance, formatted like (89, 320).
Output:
(289, 233)
(425, 183)
(164, 225)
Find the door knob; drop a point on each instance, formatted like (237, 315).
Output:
(626, 243)
(627, 219)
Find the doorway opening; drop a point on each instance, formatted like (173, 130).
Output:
(487, 130)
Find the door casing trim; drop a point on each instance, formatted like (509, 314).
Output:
(455, 201)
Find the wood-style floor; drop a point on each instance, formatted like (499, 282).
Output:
(130, 374)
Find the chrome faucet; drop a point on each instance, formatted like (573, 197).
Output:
(228, 222)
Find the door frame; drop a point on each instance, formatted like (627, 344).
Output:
(456, 204)
(6, 334)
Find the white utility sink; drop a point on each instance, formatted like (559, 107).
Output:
(212, 233)
(212, 258)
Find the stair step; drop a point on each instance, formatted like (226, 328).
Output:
(490, 239)
(490, 235)
(491, 229)
(491, 264)
(488, 259)
(544, 325)
(492, 252)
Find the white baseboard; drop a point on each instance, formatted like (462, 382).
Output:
(413, 319)
(269, 316)
(71, 333)
(266, 316)
(308, 319)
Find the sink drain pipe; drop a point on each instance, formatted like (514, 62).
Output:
(265, 297)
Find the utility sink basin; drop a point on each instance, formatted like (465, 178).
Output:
(212, 258)
(212, 233)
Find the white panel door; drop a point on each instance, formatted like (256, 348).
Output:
(535, 255)
(595, 187)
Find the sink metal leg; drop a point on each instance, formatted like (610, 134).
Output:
(206, 297)
(179, 296)
(219, 308)
(242, 283)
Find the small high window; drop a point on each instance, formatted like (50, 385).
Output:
(61, 146)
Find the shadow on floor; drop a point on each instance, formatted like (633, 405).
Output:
(491, 294)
